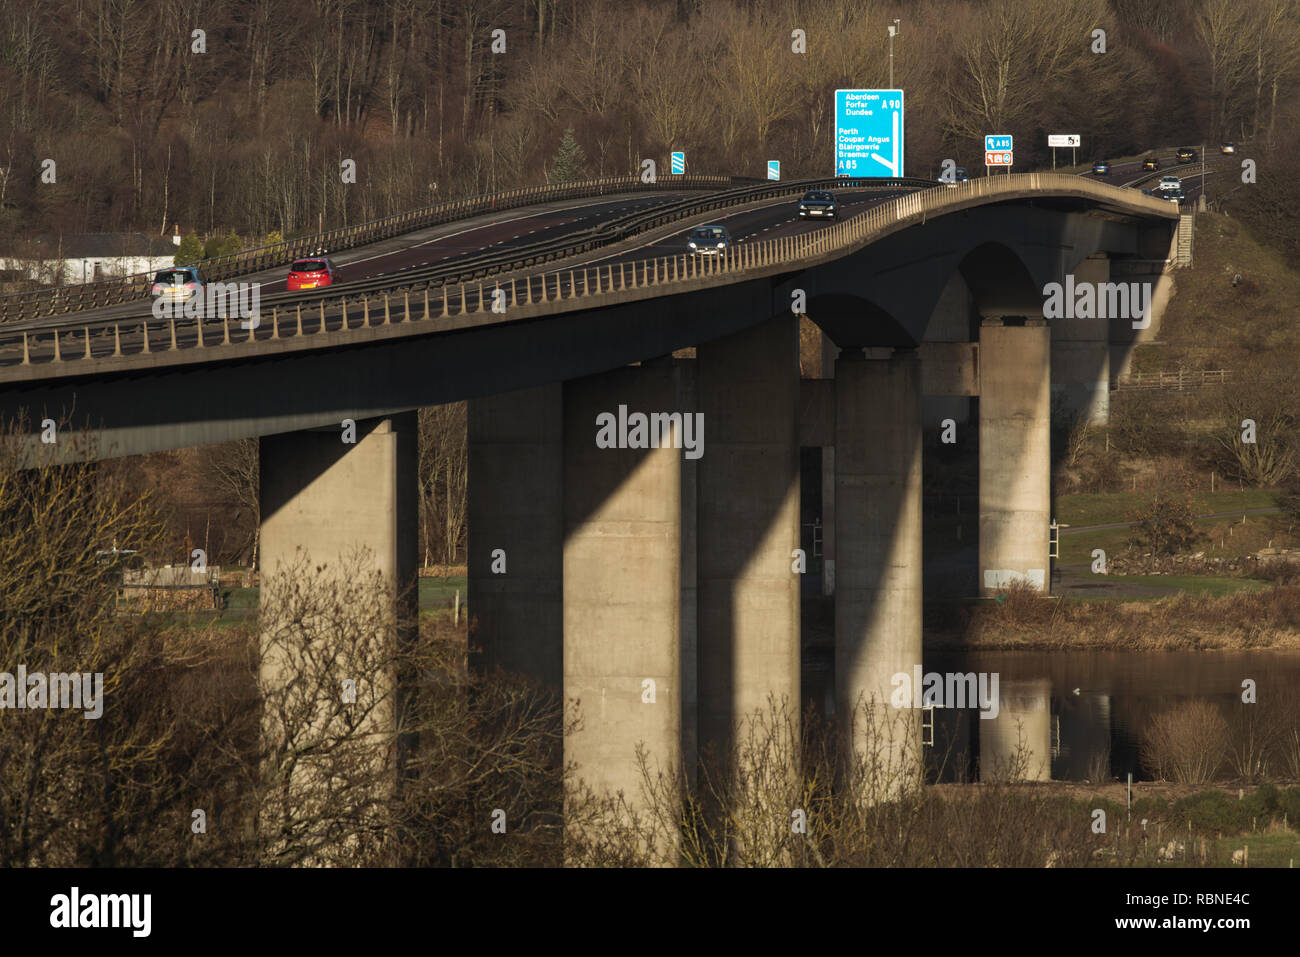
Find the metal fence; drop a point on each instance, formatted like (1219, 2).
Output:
(1179, 381)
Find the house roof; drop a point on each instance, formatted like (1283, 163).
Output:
(104, 245)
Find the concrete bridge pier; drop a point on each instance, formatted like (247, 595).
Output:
(333, 504)
(328, 499)
(878, 537)
(1015, 454)
(516, 531)
(748, 529)
(621, 585)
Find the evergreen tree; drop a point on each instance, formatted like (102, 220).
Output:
(231, 244)
(567, 165)
(190, 250)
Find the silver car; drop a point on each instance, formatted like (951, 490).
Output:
(178, 284)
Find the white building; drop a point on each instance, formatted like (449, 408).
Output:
(71, 258)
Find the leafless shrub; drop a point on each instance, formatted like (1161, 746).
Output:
(1186, 744)
(1255, 730)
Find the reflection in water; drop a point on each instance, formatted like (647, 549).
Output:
(1017, 744)
(1077, 716)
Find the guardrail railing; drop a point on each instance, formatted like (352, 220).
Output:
(38, 303)
(538, 293)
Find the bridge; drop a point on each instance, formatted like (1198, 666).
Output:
(655, 587)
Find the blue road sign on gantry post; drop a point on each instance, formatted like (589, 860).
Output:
(678, 163)
(773, 169)
(997, 150)
(869, 133)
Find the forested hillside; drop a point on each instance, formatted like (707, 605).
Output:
(244, 125)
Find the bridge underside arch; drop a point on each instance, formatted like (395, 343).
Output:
(1005, 253)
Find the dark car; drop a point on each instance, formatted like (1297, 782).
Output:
(818, 204)
(709, 240)
(310, 273)
(1101, 168)
(1187, 156)
(959, 175)
(1150, 163)
(1228, 148)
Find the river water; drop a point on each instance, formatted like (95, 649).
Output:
(1082, 715)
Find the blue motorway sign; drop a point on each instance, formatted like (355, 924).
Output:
(997, 143)
(679, 162)
(869, 133)
(773, 169)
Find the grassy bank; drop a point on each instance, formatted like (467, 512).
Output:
(1251, 617)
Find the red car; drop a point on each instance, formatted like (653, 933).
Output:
(310, 273)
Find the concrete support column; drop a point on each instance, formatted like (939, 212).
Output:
(1015, 454)
(748, 527)
(690, 591)
(332, 514)
(1081, 352)
(828, 520)
(516, 506)
(328, 498)
(622, 581)
(878, 537)
(829, 353)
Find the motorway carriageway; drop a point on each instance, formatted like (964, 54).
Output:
(768, 219)
(437, 244)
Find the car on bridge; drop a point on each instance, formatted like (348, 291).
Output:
(1228, 148)
(1151, 163)
(709, 240)
(818, 204)
(1175, 193)
(310, 273)
(1187, 156)
(178, 284)
(1169, 182)
(1101, 168)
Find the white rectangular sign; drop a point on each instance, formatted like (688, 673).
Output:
(1063, 139)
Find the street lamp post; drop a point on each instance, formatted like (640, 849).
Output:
(1204, 191)
(893, 32)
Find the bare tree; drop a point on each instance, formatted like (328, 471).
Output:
(234, 472)
(443, 477)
